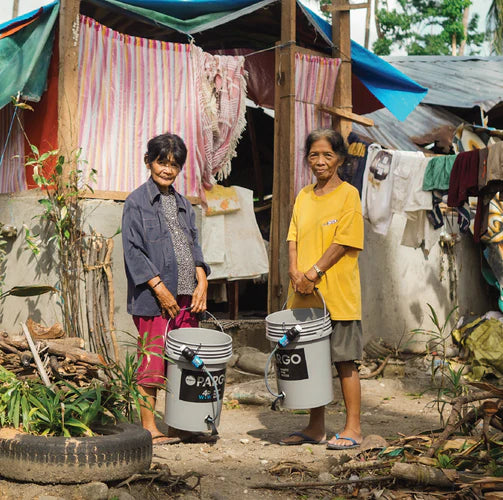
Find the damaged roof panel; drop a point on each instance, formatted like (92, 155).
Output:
(461, 82)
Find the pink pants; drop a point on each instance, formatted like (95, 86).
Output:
(152, 329)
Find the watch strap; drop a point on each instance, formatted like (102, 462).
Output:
(318, 271)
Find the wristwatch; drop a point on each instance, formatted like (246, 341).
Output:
(319, 272)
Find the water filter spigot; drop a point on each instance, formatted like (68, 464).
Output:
(192, 357)
(290, 335)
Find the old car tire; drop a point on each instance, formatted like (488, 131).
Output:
(116, 453)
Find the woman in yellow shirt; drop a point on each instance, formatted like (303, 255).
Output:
(324, 241)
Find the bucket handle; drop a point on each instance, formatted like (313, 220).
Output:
(187, 308)
(320, 295)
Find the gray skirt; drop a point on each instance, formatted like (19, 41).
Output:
(346, 341)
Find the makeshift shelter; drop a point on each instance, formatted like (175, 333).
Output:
(461, 89)
(222, 27)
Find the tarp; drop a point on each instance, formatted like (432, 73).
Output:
(394, 90)
(25, 53)
(390, 87)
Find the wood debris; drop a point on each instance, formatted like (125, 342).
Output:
(463, 460)
(63, 359)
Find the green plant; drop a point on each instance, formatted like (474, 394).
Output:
(66, 410)
(447, 381)
(62, 218)
(426, 27)
(445, 461)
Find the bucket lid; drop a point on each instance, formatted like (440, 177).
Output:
(199, 336)
(212, 346)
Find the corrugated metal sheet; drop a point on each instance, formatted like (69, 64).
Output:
(460, 82)
(455, 81)
(391, 133)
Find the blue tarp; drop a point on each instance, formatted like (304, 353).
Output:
(396, 91)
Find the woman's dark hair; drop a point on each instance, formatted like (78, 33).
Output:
(331, 136)
(163, 147)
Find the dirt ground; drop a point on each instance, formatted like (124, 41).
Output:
(249, 435)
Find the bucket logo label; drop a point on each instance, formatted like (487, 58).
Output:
(197, 387)
(291, 364)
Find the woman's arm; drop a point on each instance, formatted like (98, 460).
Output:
(167, 301)
(200, 293)
(293, 272)
(310, 278)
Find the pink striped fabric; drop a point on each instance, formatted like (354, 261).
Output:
(315, 79)
(12, 170)
(132, 89)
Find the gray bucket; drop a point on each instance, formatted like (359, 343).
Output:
(304, 366)
(191, 397)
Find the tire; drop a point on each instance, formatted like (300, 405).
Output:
(117, 453)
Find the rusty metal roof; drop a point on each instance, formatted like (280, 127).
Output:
(391, 133)
(461, 82)
(452, 82)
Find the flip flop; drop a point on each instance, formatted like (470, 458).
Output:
(305, 439)
(161, 439)
(353, 444)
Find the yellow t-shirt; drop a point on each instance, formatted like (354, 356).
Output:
(317, 222)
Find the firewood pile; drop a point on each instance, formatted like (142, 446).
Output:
(63, 358)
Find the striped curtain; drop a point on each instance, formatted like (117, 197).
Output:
(131, 89)
(315, 79)
(12, 170)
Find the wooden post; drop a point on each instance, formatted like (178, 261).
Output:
(68, 126)
(341, 37)
(15, 8)
(367, 26)
(284, 156)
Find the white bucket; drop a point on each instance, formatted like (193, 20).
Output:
(191, 397)
(304, 366)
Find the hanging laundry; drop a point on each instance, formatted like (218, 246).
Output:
(438, 173)
(392, 184)
(221, 89)
(410, 199)
(494, 165)
(355, 166)
(436, 217)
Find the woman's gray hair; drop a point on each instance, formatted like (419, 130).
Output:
(331, 136)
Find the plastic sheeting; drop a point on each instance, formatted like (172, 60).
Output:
(25, 54)
(385, 84)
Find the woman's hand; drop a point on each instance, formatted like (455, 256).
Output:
(296, 279)
(169, 306)
(305, 286)
(199, 296)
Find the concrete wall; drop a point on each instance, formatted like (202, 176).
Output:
(397, 281)
(22, 268)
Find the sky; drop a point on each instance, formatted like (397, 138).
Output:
(357, 15)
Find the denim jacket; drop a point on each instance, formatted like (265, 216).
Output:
(148, 247)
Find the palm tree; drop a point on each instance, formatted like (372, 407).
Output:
(494, 22)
